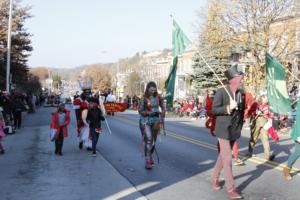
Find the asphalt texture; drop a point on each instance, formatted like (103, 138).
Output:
(187, 154)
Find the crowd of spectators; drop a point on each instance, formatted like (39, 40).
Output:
(13, 105)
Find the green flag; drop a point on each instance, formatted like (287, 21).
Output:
(179, 43)
(278, 97)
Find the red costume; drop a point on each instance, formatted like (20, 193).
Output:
(79, 106)
(211, 121)
(55, 123)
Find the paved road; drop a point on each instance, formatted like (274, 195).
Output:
(187, 155)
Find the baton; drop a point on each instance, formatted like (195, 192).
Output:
(107, 126)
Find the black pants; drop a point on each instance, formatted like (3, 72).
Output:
(17, 119)
(59, 142)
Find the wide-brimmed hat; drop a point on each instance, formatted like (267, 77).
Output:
(233, 72)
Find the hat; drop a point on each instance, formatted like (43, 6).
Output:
(86, 84)
(233, 72)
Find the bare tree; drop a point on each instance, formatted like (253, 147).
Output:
(133, 84)
(255, 26)
(100, 76)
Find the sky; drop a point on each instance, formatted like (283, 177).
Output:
(70, 33)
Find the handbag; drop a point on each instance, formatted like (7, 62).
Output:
(52, 134)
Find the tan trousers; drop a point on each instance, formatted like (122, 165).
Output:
(257, 132)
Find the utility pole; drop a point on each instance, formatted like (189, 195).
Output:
(9, 46)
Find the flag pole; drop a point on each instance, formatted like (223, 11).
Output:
(213, 71)
(8, 80)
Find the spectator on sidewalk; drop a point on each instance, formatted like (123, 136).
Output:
(2, 134)
(34, 101)
(60, 121)
(94, 118)
(18, 107)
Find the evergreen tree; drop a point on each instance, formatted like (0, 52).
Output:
(20, 44)
(204, 78)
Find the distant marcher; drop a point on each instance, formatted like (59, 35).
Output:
(60, 121)
(94, 118)
(229, 112)
(2, 134)
(111, 99)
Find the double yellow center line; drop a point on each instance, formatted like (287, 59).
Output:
(253, 159)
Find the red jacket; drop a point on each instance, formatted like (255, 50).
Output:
(55, 123)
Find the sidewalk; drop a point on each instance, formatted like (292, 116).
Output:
(30, 169)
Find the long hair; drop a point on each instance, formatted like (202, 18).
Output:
(149, 85)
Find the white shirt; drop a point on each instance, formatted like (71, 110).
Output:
(111, 98)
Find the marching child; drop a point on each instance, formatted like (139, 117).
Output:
(60, 121)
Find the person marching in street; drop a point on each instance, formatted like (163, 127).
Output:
(94, 118)
(85, 129)
(229, 112)
(151, 110)
(111, 98)
(2, 134)
(60, 121)
(79, 105)
(211, 123)
(257, 127)
(293, 157)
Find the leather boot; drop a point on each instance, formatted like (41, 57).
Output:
(286, 173)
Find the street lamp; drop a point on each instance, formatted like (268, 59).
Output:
(8, 46)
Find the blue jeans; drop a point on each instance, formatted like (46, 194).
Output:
(95, 137)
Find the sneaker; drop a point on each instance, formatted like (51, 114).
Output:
(216, 184)
(94, 154)
(272, 157)
(80, 145)
(2, 151)
(234, 195)
(151, 161)
(60, 153)
(238, 162)
(89, 149)
(148, 164)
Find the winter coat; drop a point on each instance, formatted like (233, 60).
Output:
(94, 117)
(228, 125)
(55, 123)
